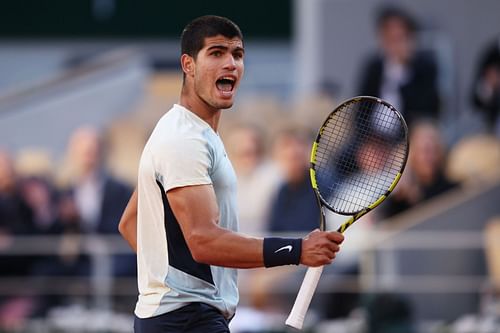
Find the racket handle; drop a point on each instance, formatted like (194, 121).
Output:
(306, 292)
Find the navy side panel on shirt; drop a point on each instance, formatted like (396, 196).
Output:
(179, 255)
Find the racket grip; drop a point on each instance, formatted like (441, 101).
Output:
(306, 292)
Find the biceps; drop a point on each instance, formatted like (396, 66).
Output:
(195, 208)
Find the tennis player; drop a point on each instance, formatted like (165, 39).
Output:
(182, 219)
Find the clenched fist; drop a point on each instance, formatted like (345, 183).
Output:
(319, 247)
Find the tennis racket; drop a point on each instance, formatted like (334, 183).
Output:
(357, 159)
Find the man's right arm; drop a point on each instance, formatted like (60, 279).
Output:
(195, 208)
(197, 212)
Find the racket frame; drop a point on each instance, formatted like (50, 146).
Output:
(309, 284)
(312, 170)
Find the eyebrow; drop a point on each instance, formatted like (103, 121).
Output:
(225, 48)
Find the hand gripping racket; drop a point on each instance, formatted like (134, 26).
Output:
(356, 161)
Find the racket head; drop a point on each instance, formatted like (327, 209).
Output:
(359, 155)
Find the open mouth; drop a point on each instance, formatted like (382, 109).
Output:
(225, 84)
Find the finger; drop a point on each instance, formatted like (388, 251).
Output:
(330, 254)
(321, 261)
(335, 236)
(332, 246)
(328, 262)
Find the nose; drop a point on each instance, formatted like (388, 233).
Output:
(230, 63)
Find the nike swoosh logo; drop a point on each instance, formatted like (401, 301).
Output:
(287, 247)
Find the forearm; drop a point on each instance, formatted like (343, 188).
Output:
(129, 233)
(221, 247)
(196, 211)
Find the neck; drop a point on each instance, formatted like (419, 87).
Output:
(198, 106)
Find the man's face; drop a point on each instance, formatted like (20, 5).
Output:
(397, 42)
(292, 154)
(426, 151)
(218, 69)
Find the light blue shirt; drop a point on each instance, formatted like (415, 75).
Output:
(183, 150)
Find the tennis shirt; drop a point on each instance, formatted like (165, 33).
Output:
(182, 150)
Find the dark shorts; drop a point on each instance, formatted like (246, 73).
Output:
(192, 318)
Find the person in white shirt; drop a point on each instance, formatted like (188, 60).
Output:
(182, 218)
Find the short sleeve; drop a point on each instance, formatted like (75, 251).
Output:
(183, 162)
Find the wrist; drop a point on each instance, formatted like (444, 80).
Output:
(279, 251)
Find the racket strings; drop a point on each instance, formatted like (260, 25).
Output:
(361, 149)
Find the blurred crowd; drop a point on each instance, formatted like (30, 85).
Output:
(269, 146)
(84, 200)
(274, 188)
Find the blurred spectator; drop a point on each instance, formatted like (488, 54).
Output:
(15, 216)
(424, 176)
(68, 262)
(486, 88)
(28, 207)
(15, 219)
(475, 159)
(399, 73)
(34, 162)
(98, 197)
(258, 178)
(363, 171)
(294, 208)
(358, 174)
(39, 196)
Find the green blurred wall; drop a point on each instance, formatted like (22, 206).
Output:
(137, 19)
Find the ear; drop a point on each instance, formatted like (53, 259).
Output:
(188, 65)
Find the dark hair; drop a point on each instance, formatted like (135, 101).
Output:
(194, 34)
(386, 13)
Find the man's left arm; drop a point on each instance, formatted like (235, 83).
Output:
(128, 222)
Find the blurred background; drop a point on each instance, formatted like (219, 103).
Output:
(82, 84)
